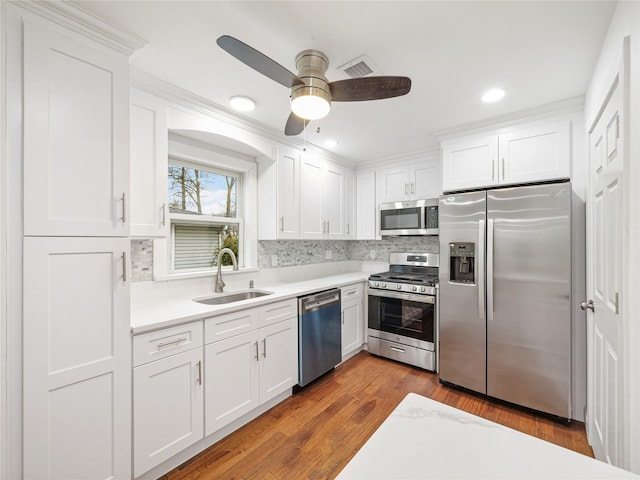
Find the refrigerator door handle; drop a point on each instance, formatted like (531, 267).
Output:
(490, 270)
(480, 268)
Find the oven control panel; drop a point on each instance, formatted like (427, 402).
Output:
(402, 287)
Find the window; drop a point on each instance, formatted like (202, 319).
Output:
(203, 207)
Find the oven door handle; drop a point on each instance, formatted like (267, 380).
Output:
(403, 296)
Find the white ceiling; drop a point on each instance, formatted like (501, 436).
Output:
(540, 52)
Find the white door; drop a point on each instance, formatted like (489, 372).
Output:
(287, 194)
(149, 154)
(278, 358)
(351, 326)
(425, 180)
(77, 359)
(312, 221)
(470, 163)
(333, 202)
(393, 185)
(231, 379)
(606, 416)
(168, 410)
(76, 137)
(366, 208)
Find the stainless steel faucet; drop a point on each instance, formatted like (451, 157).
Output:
(219, 288)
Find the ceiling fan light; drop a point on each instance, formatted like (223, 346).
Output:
(310, 102)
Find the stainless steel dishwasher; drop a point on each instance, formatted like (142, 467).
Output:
(319, 335)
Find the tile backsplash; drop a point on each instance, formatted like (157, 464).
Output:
(290, 253)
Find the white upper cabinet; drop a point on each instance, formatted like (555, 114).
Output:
(321, 199)
(350, 206)
(366, 210)
(531, 153)
(76, 137)
(415, 181)
(149, 153)
(278, 196)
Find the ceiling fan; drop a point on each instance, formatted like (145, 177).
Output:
(311, 92)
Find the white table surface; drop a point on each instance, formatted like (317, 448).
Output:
(424, 439)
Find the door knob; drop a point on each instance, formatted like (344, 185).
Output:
(588, 305)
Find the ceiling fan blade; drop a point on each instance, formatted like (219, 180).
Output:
(258, 61)
(295, 125)
(369, 88)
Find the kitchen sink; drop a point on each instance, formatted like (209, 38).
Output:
(232, 297)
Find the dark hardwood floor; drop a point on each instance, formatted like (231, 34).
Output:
(313, 434)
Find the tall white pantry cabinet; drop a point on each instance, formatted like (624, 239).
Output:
(76, 352)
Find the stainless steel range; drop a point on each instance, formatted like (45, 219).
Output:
(403, 309)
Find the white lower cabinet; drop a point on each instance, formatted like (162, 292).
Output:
(168, 406)
(352, 318)
(246, 370)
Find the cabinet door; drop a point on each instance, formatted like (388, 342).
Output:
(352, 326)
(393, 185)
(535, 153)
(231, 379)
(366, 209)
(350, 206)
(333, 202)
(470, 163)
(76, 137)
(77, 344)
(425, 180)
(168, 408)
(312, 222)
(149, 153)
(278, 358)
(288, 184)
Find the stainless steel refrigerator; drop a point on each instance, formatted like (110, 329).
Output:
(505, 294)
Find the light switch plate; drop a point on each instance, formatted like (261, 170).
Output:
(274, 260)
(328, 255)
(372, 254)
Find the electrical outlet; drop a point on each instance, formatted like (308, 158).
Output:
(372, 254)
(328, 255)
(274, 260)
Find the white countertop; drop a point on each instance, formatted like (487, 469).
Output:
(423, 439)
(168, 312)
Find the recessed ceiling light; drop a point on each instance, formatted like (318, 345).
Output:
(242, 104)
(331, 143)
(493, 95)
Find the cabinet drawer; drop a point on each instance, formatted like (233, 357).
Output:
(166, 342)
(350, 292)
(277, 311)
(230, 324)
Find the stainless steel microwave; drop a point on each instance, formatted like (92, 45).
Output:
(416, 217)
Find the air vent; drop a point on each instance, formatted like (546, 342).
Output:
(359, 67)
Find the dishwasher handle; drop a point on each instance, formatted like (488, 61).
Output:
(320, 300)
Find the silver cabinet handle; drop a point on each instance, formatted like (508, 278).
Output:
(490, 270)
(264, 347)
(328, 227)
(342, 317)
(396, 349)
(588, 305)
(164, 214)
(257, 353)
(413, 188)
(348, 228)
(502, 168)
(480, 268)
(124, 266)
(172, 343)
(406, 189)
(124, 208)
(493, 169)
(199, 372)
(282, 224)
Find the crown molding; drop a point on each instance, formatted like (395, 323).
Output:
(179, 96)
(75, 18)
(431, 152)
(562, 107)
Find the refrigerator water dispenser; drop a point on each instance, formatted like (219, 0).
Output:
(462, 262)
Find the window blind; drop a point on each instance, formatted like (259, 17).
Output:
(194, 245)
